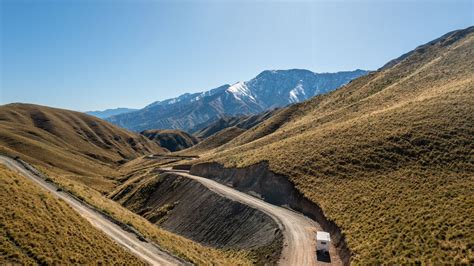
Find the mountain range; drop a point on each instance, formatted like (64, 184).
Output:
(384, 164)
(268, 90)
(110, 112)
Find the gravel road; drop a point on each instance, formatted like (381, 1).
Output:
(144, 250)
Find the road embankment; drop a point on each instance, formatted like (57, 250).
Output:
(186, 207)
(259, 181)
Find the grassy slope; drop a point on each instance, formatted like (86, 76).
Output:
(268, 126)
(36, 228)
(219, 125)
(388, 157)
(73, 144)
(214, 141)
(175, 244)
(79, 152)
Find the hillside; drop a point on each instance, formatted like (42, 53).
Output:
(268, 90)
(36, 228)
(243, 122)
(83, 155)
(70, 142)
(216, 140)
(388, 157)
(172, 140)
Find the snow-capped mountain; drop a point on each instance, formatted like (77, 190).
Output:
(270, 89)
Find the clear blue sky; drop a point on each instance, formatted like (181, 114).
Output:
(88, 55)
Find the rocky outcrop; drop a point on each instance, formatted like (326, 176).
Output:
(276, 189)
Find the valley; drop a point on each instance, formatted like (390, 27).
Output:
(144, 250)
(381, 160)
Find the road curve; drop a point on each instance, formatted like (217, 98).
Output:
(144, 250)
(299, 245)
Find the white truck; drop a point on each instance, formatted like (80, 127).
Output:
(323, 240)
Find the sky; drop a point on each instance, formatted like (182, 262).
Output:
(97, 54)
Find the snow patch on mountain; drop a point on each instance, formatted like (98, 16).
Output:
(172, 101)
(268, 90)
(296, 93)
(240, 90)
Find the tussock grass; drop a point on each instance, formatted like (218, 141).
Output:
(83, 154)
(214, 141)
(70, 142)
(175, 244)
(36, 228)
(388, 157)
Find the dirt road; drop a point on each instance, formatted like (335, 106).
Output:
(144, 250)
(298, 230)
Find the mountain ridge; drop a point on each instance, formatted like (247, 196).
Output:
(268, 90)
(74, 142)
(103, 114)
(387, 157)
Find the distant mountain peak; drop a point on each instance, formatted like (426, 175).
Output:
(268, 90)
(110, 112)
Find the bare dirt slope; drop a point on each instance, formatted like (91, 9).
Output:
(144, 250)
(299, 246)
(188, 208)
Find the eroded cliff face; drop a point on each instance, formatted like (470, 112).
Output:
(186, 207)
(259, 181)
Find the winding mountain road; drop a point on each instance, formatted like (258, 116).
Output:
(144, 250)
(299, 245)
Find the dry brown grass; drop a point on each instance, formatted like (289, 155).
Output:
(175, 244)
(389, 157)
(83, 154)
(214, 141)
(36, 228)
(71, 143)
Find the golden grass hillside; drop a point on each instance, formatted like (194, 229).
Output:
(214, 141)
(84, 155)
(388, 157)
(36, 228)
(72, 143)
(182, 247)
